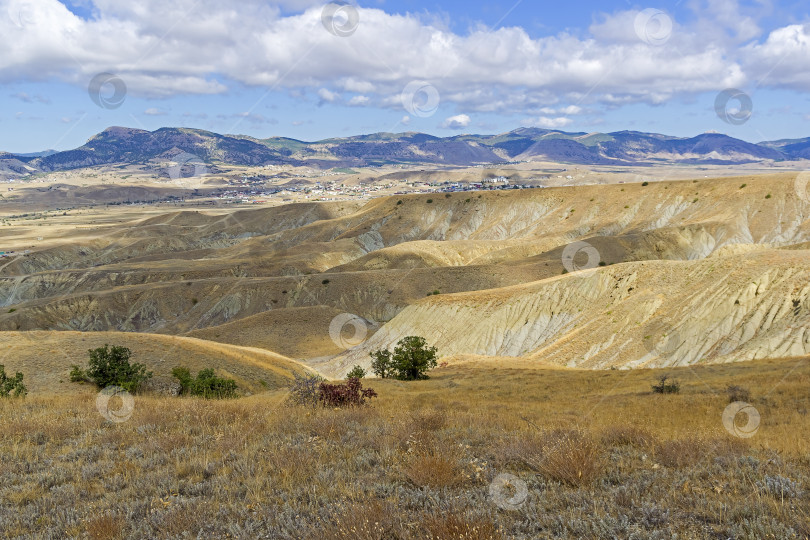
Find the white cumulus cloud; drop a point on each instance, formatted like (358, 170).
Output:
(456, 122)
(186, 47)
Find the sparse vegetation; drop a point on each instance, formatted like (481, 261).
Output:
(305, 389)
(645, 184)
(666, 386)
(768, 196)
(742, 186)
(426, 456)
(738, 393)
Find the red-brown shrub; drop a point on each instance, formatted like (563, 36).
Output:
(348, 394)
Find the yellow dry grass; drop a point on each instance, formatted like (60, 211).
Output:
(589, 447)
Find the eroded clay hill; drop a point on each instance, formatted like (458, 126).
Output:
(676, 256)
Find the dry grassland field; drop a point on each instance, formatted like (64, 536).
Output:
(404, 270)
(555, 312)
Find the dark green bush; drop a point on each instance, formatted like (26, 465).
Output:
(206, 384)
(410, 361)
(381, 364)
(110, 366)
(356, 373)
(11, 386)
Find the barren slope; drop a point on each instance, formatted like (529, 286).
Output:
(725, 308)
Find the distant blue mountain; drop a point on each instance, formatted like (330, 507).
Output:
(122, 145)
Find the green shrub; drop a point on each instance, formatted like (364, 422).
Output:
(206, 384)
(78, 375)
(410, 361)
(110, 366)
(664, 387)
(356, 373)
(645, 184)
(430, 201)
(183, 376)
(381, 363)
(11, 386)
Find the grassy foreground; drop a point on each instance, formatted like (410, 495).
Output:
(479, 451)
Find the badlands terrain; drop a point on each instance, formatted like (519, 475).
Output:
(554, 310)
(671, 273)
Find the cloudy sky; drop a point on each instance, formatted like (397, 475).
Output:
(311, 70)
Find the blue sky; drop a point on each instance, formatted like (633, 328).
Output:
(287, 68)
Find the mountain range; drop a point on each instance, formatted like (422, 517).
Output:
(119, 145)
